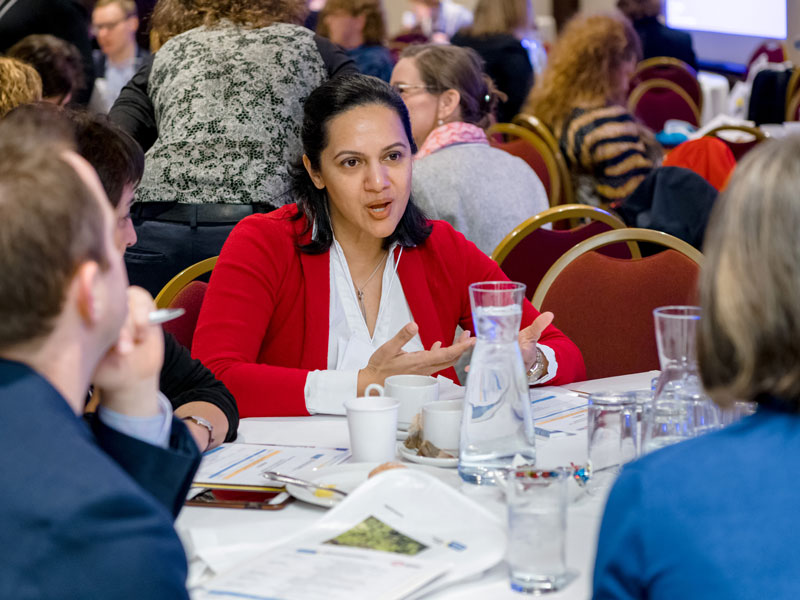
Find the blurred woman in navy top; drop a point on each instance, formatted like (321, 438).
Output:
(715, 517)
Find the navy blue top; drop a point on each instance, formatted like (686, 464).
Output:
(712, 517)
(373, 60)
(85, 512)
(660, 40)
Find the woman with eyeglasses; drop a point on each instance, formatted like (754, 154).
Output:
(311, 303)
(458, 176)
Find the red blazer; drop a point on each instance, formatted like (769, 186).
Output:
(265, 317)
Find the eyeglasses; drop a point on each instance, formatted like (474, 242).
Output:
(95, 29)
(404, 88)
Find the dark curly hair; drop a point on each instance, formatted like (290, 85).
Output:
(173, 17)
(331, 99)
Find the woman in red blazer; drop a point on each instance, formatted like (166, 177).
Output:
(267, 317)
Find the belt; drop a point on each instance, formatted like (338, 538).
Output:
(194, 214)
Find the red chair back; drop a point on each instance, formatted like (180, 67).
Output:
(530, 155)
(605, 305)
(656, 101)
(536, 253)
(189, 298)
(672, 70)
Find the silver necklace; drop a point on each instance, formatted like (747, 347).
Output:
(360, 290)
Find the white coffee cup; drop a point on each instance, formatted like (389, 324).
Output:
(413, 392)
(372, 422)
(441, 423)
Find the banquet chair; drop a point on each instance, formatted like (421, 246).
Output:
(730, 134)
(527, 253)
(655, 101)
(184, 291)
(774, 51)
(671, 69)
(538, 128)
(533, 150)
(793, 108)
(605, 304)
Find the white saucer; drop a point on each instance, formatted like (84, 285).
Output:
(412, 455)
(347, 478)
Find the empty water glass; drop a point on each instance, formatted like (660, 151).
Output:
(613, 434)
(668, 420)
(537, 529)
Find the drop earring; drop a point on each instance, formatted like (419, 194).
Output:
(440, 122)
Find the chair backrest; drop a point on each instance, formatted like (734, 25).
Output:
(605, 304)
(732, 136)
(774, 51)
(527, 253)
(533, 150)
(536, 126)
(182, 291)
(655, 101)
(671, 69)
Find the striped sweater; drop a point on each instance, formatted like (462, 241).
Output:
(606, 153)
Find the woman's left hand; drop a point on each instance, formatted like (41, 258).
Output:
(530, 335)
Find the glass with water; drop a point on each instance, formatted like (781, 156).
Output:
(537, 529)
(497, 428)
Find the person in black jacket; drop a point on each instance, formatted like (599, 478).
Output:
(657, 38)
(496, 35)
(65, 19)
(203, 402)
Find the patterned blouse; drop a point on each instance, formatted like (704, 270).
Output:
(607, 152)
(229, 106)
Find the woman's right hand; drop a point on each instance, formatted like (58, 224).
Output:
(390, 359)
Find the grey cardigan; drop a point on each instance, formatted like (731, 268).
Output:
(482, 191)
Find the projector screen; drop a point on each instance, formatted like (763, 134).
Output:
(758, 18)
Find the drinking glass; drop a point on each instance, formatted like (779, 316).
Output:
(613, 434)
(537, 529)
(667, 421)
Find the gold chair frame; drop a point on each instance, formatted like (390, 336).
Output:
(604, 239)
(792, 106)
(557, 213)
(756, 132)
(542, 147)
(793, 86)
(640, 90)
(182, 279)
(665, 61)
(543, 131)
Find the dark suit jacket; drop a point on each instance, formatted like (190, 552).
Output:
(85, 512)
(660, 40)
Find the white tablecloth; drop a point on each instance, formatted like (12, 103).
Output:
(715, 95)
(225, 536)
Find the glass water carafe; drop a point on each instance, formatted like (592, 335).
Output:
(680, 407)
(497, 429)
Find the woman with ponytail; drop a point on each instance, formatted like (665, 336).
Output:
(458, 176)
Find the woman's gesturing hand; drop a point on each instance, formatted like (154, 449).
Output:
(530, 335)
(390, 359)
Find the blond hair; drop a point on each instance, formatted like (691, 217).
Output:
(749, 336)
(128, 6)
(582, 67)
(19, 84)
(494, 17)
(374, 24)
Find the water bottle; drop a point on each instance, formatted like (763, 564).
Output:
(497, 429)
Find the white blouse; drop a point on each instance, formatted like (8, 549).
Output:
(349, 343)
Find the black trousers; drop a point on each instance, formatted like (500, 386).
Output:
(172, 238)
